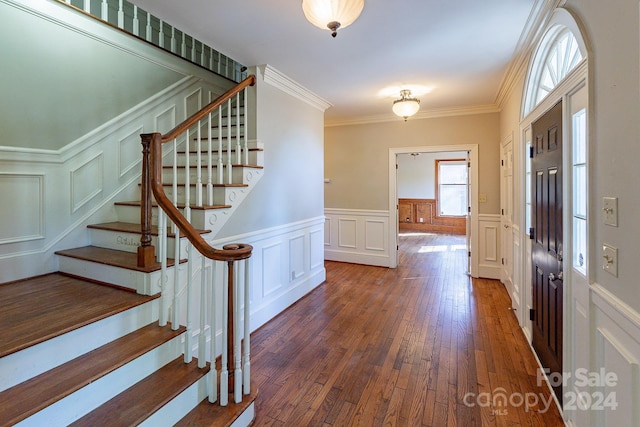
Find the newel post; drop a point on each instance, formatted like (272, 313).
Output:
(146, 252)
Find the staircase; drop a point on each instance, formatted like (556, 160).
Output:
(107, 340)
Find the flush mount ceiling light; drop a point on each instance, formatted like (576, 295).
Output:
(332, 14)
(406, 106)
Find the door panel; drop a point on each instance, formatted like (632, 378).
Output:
(546, 255)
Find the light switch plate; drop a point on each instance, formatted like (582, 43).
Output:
(610, 211)
(610, 259)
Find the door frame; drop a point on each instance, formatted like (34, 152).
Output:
(393, 198)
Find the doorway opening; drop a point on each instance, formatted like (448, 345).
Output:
(423, 209)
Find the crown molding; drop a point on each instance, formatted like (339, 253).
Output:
(425, 114)
(534, 28)
(277, 79)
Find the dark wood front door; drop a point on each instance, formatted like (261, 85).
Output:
(546, 262)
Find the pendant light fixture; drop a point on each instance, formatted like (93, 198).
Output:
(332, 14)
(406, 106)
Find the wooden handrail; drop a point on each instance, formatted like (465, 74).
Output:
(182, 127)
(152, 182)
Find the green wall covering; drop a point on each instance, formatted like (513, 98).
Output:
(57, 84)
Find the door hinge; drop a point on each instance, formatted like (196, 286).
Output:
(502, 261)
(468, 164)
(532, 232)
(502, 211)
(397, 247)
(396, 166)
(501, 162)
(469, 254)
(469, 209)
(531, 152)
(532, 314)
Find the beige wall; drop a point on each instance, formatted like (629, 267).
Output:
(357, 157)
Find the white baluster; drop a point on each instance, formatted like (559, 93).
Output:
(149, 30)
(203, 57)
(237, 354)
(104, 12)
(246, 366)
(213, 330)
(202, 338)
(245, 128)
(187, 178)
(210, 162)
(162, 253)
(211, 59)
(86, 5)
(238, 147)
(199, 168)
(194, 51)
(120, 15)
(219, 60)
(173, 40)
(183, 46)
(188, 338)
(224, 368)
(161, 34)
(136, 21)
(175, 319)
(220, 165)
(229, 143)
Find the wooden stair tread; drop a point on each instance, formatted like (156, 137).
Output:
(213, 415)
(129, 227)
(112, 257)
(29, 397)
(134, 405)
(40, 308)
(180, 205)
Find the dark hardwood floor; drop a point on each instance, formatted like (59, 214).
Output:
(420, 345)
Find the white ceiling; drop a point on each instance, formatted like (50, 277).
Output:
(459, 49)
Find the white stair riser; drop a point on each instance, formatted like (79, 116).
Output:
(238, 175)
(128, 242)
(177, 408)
(83, 401)
(35, 360)
(256, 158)
(142, 283)
(221, 195)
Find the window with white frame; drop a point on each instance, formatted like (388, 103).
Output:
(579, 166)
(452, 187)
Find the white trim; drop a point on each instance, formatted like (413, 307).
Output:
(277, 79)
(393, 211)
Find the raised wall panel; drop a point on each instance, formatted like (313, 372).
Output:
(490, 247)
(327, 231)
(23, 216)
(166, 120)
(193, 102)
(271, 269)
(347, 234)
(316, 250)
(296, 257)
(86, 182)
(374, 234)
(129, 151)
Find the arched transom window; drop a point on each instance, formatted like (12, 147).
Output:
(558, 54)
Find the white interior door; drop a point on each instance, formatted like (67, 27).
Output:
(506, 220)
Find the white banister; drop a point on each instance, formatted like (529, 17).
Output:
(210, 161)
(161, 34)
(175, 319)
(220, 165)
(120, 14)
(148, 34)
(246, 356)
(238, 127)
(162, 255)
(86, 5)
(136, 21)
(237, 353)
(202, 337)
(199, 167)
(229, 142)
(245, 129)
(224, 368)
(104, 12)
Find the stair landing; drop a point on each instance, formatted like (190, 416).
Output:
(58, 304)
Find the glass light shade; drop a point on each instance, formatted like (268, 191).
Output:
(332, 14)
(405, 106)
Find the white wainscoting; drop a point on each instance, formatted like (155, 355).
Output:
(55, 194)
(616, 344)
(489, 255)
(287, 263)
(357, 236)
